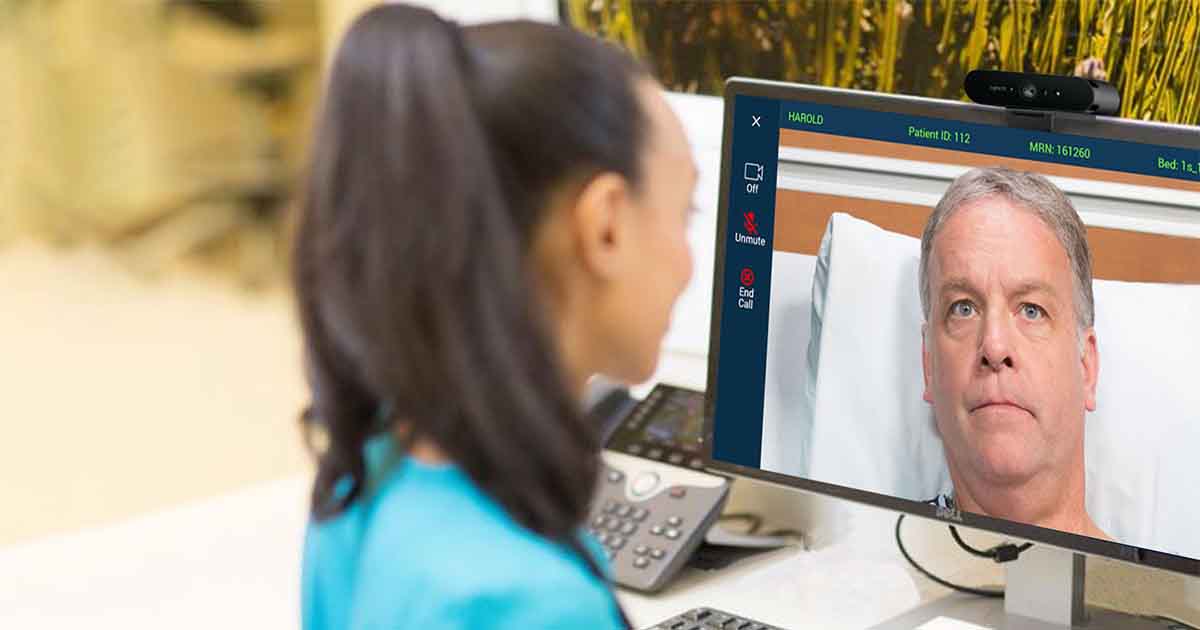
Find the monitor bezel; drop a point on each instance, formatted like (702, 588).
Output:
(1179, 136)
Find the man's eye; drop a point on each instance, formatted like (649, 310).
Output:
(1032, 311)
(962, 309)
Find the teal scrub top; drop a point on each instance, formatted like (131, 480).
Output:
(423, 547)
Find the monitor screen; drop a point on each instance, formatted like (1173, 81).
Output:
(959, 312)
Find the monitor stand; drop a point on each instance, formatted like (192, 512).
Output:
(1044, 591)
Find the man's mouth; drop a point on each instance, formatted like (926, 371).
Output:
(999, 404)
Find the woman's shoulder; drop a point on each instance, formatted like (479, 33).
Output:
(431, 544)
(447, 526)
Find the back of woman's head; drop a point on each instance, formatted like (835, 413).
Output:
(436, 155)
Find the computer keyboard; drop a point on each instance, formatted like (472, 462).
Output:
(710, 619)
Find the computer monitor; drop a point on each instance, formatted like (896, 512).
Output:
(996, 385)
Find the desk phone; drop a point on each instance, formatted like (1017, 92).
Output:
(655, 503)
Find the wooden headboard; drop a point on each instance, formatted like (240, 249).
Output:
(1116, 254)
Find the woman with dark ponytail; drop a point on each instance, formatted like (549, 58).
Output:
(492, 215)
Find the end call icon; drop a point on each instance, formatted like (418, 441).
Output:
(747, 277)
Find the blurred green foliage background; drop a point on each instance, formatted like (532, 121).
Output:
(1148, 48)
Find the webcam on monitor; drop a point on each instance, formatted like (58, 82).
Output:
(1022, 90)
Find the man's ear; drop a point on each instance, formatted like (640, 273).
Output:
(600, 224)
(1091, 367)
(926, 368)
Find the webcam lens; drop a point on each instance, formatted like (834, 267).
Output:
(1029, 91)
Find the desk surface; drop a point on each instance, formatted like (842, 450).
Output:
(852, 584)
(234, 561)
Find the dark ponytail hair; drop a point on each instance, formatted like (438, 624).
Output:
(435, 155)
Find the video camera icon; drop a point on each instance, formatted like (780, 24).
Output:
(753, 172)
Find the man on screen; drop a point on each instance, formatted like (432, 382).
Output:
(1008, 346)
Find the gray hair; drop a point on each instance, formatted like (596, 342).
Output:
(1038, 195)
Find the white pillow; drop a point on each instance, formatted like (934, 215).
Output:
(872, 430)
(1144, 437)
(785, 434)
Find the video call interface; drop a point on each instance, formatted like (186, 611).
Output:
(1000, 378)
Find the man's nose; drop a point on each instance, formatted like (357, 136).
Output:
(995, 349)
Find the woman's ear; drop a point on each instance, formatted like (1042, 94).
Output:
(600, 224)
